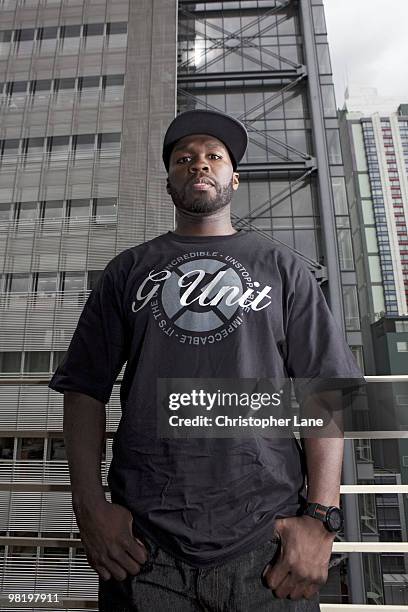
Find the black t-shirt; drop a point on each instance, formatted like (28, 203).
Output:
(204, 500)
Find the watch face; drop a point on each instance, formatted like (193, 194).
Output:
(334, 519)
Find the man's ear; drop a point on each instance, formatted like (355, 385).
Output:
(235, 181)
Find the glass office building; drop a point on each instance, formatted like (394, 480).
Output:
(88, 90)
(375, 148)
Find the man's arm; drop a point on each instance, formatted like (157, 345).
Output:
(306, 545)
(106, 529)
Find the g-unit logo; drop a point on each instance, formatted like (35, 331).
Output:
(201, 301)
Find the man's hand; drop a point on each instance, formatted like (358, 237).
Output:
(110, 546)
(302, 568)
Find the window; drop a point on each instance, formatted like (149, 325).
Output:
(52, 209)
(94, 29)
(10, 362)
(63, 84)
(56, 449)
(5, 212)
(9, 149)
(113, 80)
(18, 282)
(38, 88)
(351, 311)
(402, 347)
(118, 27)
(6, 448)
(401, 326)
(109, 141)
(375, 269)
(345, 249)
(46, 282)
(22, 35)
(29, 552)
(24, 40)
(36, 361)
(323, 59)
(58, 552)
(104, 208)
(33, 148)
(113, 86)
(329, 100)
(87, 82)
(30, 448)
(319, 20)
(340, 195)
(83, 144)
(58, 147)
(70, 36)
(116, 34)
(371, 239)
(333, 144)
(16, 87)
(73, 281)
(25, 211)
(5, 36)
(47, 33)
(358, 356)
(78, 209)
(70, 31)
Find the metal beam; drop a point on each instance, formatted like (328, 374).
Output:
(277, 166)
(351, 510)
(317, 269)
(285, 158)
(237, 34)
(246, 75)
(267, 206)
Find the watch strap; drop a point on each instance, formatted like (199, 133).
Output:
(317, 511)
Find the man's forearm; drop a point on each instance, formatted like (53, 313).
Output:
(324, 457)
(84, 433)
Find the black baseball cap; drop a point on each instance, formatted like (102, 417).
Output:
(230, 131)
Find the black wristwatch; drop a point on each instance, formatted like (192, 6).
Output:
(331, 516)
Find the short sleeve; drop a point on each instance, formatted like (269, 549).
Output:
(318, 357)
(97, 350)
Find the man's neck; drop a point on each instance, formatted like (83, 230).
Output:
(214, 225)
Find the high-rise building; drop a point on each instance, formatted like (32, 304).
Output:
(374, 135)
(380, 145)
(89, 87)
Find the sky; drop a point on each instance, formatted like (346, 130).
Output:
(369, 45)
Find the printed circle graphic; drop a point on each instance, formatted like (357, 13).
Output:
(217, 279)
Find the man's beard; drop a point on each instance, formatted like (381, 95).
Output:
(202, 202)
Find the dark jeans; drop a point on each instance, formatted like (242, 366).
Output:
(166, 584)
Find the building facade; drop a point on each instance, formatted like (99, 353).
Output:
(373, 135)
(89, 87)
(377, 168)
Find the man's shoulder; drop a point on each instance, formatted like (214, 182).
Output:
(132, 255)
(282, 253)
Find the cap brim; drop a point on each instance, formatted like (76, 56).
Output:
(229, 131)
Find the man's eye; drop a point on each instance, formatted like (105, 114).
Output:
(181, 160)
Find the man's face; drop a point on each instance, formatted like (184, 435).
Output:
(201, 177)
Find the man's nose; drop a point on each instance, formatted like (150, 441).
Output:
(200, 163)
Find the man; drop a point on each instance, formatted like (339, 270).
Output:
(203, 523)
